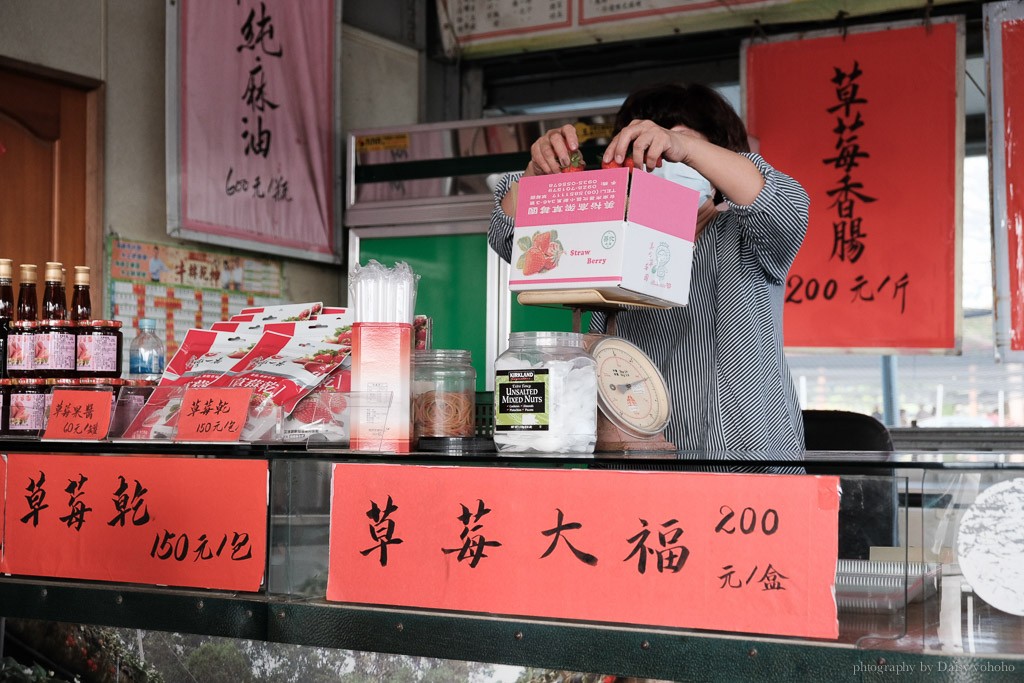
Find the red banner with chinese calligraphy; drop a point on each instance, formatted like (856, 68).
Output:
(870, 123)
(257, 122)
(165, 521)
(1004, 54)
(728, 552)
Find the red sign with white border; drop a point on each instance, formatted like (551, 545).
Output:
(165, 521)
(735, 552)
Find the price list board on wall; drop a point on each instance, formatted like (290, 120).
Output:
(492, 26)
(183, 288)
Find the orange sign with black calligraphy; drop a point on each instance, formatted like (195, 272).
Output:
(79, 414)
(213, 414)
(728, 552)
(166, 521)
(870, 123)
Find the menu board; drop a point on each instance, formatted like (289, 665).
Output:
(485, 27)
(185, 287)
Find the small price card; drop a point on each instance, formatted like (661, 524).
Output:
(213, 414)
(79, 414)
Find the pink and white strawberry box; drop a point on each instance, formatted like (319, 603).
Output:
(629, 238)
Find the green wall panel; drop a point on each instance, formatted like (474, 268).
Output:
(453, 291)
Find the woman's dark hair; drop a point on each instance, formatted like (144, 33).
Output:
(694, 106)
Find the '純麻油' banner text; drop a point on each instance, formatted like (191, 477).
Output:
(255, 111)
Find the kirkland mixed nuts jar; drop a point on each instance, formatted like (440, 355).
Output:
(443, 394)
(545, 395)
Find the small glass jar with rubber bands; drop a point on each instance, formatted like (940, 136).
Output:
(443, 394)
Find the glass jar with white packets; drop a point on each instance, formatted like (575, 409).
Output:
(545, 395)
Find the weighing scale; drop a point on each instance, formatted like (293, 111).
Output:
(634, 404)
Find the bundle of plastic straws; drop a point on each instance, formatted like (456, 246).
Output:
(383, 295)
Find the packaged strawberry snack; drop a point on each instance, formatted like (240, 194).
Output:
(282, 378)
(285, 312)
(158, 418)
(329, 329)
(323, 414)
(206, 354)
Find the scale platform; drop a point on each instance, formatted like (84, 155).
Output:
(580, 300)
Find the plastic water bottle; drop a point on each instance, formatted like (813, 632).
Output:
(146, 354)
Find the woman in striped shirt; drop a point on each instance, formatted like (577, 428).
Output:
(722, 355)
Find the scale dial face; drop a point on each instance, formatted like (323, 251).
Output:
(631, 391)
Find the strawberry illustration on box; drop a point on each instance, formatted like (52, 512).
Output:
(541, 252)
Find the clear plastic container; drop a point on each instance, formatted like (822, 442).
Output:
(146, 353)
(545, 395)
(443, 393)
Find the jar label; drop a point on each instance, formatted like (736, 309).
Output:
(20, 352)
(96, 353)
(27, 411)
(54, 351)
(521, 400)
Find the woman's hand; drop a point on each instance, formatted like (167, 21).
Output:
(732, 174)
(649, 144)
(551, 152)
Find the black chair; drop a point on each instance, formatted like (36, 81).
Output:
(868, 507)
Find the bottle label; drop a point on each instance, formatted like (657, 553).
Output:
(521, 400)
(153, 364)
(54, 351)
(96, 353)
(27, 411)
(20, 352)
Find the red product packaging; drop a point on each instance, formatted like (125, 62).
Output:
(324, 412)
(285, 312)
(205, 354)
(245, 327)
(282, 370)
(329, 329)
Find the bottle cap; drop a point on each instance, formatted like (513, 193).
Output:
(6, 268)
(147, 324)
(82, 275)
(28, 273)
(53, 272)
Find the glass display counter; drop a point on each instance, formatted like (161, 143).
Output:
(927, 582)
